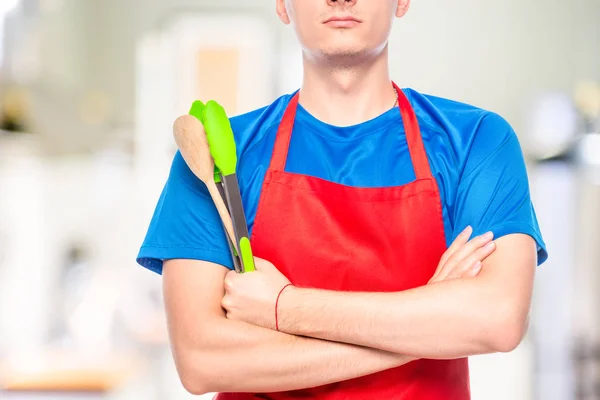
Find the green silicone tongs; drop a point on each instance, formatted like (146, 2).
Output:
(223, 150)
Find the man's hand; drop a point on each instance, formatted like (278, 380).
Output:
(464, 257)
(251, 297)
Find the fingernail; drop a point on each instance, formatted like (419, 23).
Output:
(467, 230)
(477, 267)
(490, 246)
(488, 236)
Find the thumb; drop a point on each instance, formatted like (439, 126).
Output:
(263, 265)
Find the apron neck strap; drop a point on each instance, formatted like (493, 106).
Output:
(284, 135)
(413, 136)
(411, 128)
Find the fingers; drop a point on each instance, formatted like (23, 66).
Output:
(472, 263)
(459, 242)
(474, 270)
(230, 278)
(468, 249)
(466, 257)
(260, 264)
(263, 265)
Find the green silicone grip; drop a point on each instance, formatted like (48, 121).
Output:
(217, 175)
(247, 257)
(197, 110)
(220, 138)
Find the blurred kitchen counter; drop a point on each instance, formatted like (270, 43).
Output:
(62, 375)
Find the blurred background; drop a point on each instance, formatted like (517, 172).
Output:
(88, 93)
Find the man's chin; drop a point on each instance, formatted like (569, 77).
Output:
(343, 54)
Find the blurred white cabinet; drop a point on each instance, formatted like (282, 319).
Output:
(227, 57)
(24, 266)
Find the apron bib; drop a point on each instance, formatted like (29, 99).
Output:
(330, 236)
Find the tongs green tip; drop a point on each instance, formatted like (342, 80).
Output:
(220, 137)
(197, 110)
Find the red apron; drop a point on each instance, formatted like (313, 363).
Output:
(326, 235)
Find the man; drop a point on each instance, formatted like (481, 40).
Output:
(353, 190)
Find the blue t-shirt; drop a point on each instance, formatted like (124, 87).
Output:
(474, 155)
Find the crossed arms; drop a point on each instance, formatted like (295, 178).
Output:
(221, 324)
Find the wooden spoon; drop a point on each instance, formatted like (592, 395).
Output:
(190, 137)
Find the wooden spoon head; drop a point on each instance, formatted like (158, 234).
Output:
(190, 137)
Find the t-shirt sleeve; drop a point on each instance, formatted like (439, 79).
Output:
(493, 191)
(185, 224)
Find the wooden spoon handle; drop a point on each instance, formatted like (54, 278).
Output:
(223, 213)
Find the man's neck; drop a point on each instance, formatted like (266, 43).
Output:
(347, 95)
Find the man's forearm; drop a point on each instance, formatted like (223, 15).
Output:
(247, 358)
(450, 319)
(447, 320)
